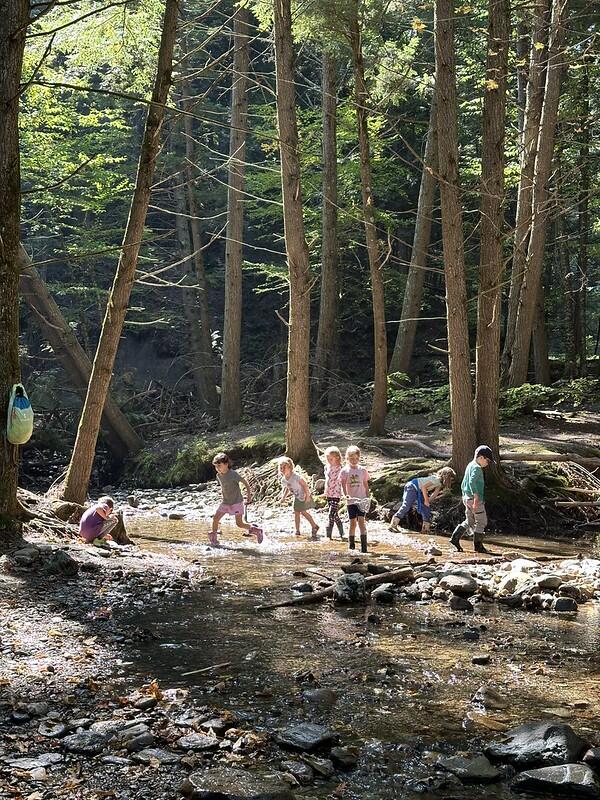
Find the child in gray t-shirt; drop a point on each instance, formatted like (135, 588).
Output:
(233, 502)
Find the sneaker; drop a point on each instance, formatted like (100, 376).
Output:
(213, 539)
(258, 532)
(394, 525)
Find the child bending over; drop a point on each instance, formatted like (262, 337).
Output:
(422, 492)
(98, 521)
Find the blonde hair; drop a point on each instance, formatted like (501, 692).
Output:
(106, 501)
(446, 476)
(222, 458)
(334, 451)
(285, 460)
(353, 450)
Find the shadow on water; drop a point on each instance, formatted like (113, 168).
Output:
(404, 685)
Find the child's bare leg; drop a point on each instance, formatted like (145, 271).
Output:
(307, 515)
(215, 521)
(239, 521)
(297, 522)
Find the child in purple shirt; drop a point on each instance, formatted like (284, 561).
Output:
(98, 521)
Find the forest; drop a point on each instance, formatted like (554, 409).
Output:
(270, 229)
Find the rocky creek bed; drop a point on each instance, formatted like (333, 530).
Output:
(149, 673)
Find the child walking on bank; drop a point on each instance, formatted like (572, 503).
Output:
(473, 492)
(355, 485)
(296, 485)
(233, 502)
(333, 489)
(417, 492)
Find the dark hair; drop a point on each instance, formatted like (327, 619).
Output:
(222, 458)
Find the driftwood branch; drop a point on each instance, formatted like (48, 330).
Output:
(587, 461)
(443, 456)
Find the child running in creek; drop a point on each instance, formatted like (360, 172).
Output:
(333, 489)
(355, 485)
(417, 491)
(233, 502)
(296, 485)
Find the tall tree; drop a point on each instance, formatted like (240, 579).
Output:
(539, 338)
(459, 363)
(299, 444)
(231, 403)
(330, 289)
(361, 97)
(540, 203)
(121, 438)
(583, 219)
(413, 293)
(491, 266)
(14, 15)
(82, 459)
(529, 141)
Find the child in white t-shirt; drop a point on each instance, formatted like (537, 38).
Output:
(355, 485)
(296, 485)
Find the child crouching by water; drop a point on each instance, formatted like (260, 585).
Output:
(233, 502)
(296, 485)
(417, 492)
(98, 521)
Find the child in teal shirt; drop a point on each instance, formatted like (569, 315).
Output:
(473, 494)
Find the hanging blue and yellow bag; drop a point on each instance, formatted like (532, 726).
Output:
(19, 425)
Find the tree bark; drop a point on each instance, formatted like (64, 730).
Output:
(231, 403)
(459, 362)
(361, 95)
(299, 444)
(519, 360)
(529, 141)
(14, 15)
(82, 459)
(413, 293)
(189, 299)
(211, 397)
(583, 218)
(121, 438)
(541, 361)
(491, 262)
(566, 273)
(330, 289)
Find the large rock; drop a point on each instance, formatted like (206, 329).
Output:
(226, 783)
(548, 581)
(59, 562)
(305, 736)
(87, 743)
(384, 593)
(564, 604)
(198, 741)
(572, 781)
(538, 744)
(350, 589)
(462, 584)
(476, 770)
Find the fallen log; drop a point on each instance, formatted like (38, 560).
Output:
(586, 461)
(408, 443)
(403, 575)
(578, 503)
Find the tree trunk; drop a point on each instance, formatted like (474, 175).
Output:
(529, 141)
(14, 15)
(298, 441)
(189, 299)
(361, 96)
(211, 397)
(540, 204)
(583, 223)
(541, 361)
(231, 403)
(413, 294)
(564, 258)
(330, 289)
(459, 362)
(82, 459)
(491, 264)
(121, 438)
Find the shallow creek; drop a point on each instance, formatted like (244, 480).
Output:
(404, 680)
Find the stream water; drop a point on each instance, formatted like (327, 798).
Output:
(404, 679)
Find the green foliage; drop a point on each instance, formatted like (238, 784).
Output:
(404, 399)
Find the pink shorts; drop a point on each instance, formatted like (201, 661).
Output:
(236, 508)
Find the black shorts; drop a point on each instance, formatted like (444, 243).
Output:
(354, 512)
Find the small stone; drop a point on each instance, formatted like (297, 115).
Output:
(489, 698)
(471, 635)
(227, 783)
(145, 703)
(564, 604)
(461, 584)
(156, 754)
(52, 729)
(302, 587)
(481, 660)
(198, 742)
(572, 781)
(476, 769)
(116, 761)
(324, 697)
(216, 724)
(140, 742)
(301, 771)
(536, 743)
(434, 551)
(87, 743)
(323, 766)
(458, 603)
(345, 757)
(305, 736)
(28, 763)
(350, 589)
(384, 593)
(592, 757)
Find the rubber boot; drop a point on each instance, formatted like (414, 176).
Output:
(478, 544)
(340, 527)
(328, 531)
(456, 536)
(363, 543)
(351, 543)
(426, 527)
